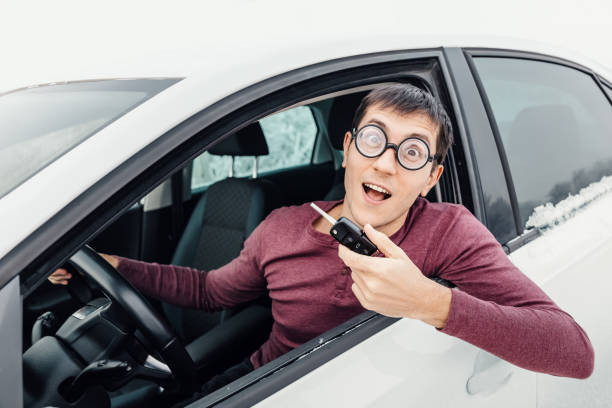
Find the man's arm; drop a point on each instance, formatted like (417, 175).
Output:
(237, 282)
(502, 311)
(498, 308)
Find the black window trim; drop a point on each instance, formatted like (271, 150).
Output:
(473, 127)
(607, 83)
(276, 375)
(317, 134)
(604, 83)
(500, 146)
(523, 236)
(105, 201)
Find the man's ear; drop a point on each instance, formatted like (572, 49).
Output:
(434, 176)
(345, 145)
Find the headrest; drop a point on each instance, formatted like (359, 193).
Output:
(249, 141)
(341, 117)
(541, 126)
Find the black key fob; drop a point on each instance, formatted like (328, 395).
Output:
(351, 236)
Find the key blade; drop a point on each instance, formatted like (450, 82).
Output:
(323, 213)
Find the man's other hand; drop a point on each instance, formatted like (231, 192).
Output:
(61, 276)
(394, 286)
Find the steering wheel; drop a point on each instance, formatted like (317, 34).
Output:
(140, 311)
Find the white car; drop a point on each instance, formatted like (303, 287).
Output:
(122, 165)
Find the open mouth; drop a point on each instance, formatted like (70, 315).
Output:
(375, 193)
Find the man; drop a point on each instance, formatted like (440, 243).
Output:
(392, 156)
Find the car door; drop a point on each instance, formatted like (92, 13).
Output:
(426, 358)
(374, 360)
(553, 120)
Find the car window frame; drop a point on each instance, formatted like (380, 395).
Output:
(115, 193)
(523, 236)
(482, 156)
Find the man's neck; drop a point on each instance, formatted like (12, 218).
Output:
(322, 225)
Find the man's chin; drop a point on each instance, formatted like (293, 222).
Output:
(375, 221)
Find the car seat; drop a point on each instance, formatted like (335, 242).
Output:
(222, 219)
(340, 120)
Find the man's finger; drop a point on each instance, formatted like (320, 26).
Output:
(359, 280)
(384, 244)
(60, 273)
(355, 260)
(57, 281)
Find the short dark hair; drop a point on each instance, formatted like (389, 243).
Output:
(404, 99)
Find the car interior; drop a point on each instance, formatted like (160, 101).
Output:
(201, 226)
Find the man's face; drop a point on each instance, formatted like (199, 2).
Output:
(362, 203)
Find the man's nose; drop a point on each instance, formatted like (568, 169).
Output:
(386, 162)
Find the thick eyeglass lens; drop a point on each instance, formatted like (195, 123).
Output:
(413, 153)
(371, 141)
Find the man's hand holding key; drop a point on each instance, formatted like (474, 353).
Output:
(393, 285)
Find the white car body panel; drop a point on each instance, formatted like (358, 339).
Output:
(410, 364)
(569, 261)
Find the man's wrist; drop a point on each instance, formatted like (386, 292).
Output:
(111, 259)
(438, 305)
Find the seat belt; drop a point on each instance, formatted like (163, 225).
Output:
(177, 206)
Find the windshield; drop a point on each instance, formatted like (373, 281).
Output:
(39, 124)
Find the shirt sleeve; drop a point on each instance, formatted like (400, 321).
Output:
(237, 282)
(501, 310)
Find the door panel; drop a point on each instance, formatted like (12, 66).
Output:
(11, 383)
(411, 364)
(572, 263)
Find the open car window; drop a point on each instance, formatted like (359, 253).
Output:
(290, 135)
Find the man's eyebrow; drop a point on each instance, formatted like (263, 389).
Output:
(423, 136)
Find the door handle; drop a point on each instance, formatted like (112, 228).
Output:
(490, 374)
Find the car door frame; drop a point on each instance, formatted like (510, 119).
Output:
(115, 193)
(478, 129)
(283, 371)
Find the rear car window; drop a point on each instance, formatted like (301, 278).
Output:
(39, 124)
(555, 124)
(290, 136)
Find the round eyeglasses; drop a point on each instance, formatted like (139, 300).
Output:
(412, 153)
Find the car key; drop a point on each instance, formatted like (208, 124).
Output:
(351, 236)
(348, 233)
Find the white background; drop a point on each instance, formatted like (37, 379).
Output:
(62, 40)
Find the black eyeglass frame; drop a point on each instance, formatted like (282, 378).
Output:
(395, 147)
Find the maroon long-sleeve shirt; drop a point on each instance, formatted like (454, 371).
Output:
(497, 307)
